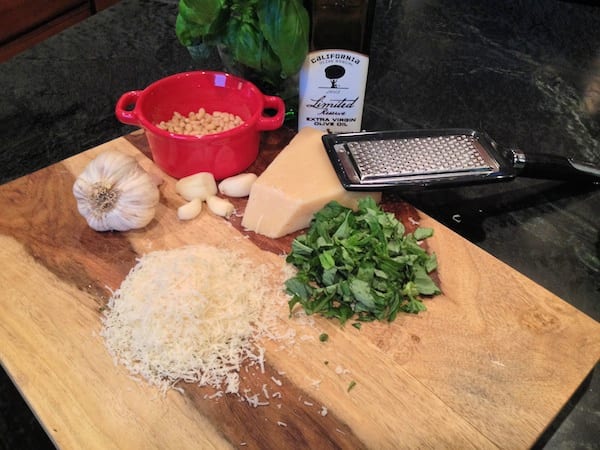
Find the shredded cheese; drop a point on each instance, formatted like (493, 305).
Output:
(192, 314)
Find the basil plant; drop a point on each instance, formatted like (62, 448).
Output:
(267, 36)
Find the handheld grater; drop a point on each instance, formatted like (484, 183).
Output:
(444, 157)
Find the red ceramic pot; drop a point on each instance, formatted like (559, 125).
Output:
(223, 154)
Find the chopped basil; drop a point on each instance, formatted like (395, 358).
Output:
(360, 264)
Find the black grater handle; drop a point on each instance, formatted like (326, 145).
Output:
(553, 167)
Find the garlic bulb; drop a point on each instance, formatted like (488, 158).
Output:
(115, 193)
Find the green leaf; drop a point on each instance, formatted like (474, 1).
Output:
(366, 203)
(431, 263)
(414, 306)
(345, 228)
(362, 293)
(285, 25)
(245, 43)
(189, 33)
(422, 233)
(327, 260)
(295, 286)
(330, 276)
(299, 248)
(360, 264)
(424, 283)
(201, 12)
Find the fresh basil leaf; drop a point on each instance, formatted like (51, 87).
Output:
(422, 233)
(431, 263)
(189, 33)
(330, 276)
(327, 261)
(245, 43)
(201, 12)
(299, 288)
(344, 230)
(362, 293)
(414, 306)
(366, 273)
(285, 25)
(300, 248)
(424, 283)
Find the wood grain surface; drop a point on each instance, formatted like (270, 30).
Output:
(488, 365)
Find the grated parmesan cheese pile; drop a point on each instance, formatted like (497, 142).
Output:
(190, 314)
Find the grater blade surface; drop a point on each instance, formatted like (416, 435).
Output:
(421, 156)
(415, 158)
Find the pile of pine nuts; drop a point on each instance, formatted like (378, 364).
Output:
(201, 123)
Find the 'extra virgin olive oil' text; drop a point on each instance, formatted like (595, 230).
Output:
(333, 77)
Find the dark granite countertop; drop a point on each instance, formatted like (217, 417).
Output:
(527, 73)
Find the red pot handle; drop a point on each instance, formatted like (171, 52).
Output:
(272, 122)
(125, 109)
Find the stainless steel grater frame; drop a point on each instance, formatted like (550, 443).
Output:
(416, 158)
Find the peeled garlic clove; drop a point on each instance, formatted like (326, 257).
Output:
(200, 185)
(220, 206)
(115, 193)
(190, 209)
(237, 185)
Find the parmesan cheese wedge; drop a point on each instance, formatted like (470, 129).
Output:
(298, 183)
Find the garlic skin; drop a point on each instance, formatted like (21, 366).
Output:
(114, 193)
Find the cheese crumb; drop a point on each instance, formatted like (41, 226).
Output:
(341, 371)
(254, 401)
(315, 384)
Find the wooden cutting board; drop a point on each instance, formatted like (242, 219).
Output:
(489, 364)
